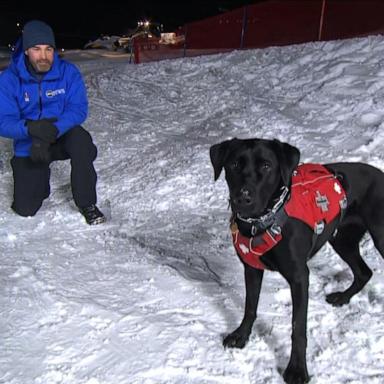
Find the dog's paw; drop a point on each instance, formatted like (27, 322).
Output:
(296, 375)
(337, 299)
(235, 340)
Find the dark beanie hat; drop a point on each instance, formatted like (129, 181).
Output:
(37, 33)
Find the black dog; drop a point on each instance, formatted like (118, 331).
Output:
(259, 177)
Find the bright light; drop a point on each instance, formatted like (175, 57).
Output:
(145, 24)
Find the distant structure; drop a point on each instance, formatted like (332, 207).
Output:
(281, 22)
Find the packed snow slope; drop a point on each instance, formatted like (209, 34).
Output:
(147, 297)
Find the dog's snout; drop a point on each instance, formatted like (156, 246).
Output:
(244, 197)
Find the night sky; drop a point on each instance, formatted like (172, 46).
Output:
(75, 24)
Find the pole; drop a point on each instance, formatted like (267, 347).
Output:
(136, 51)
(243, 27)
(185, 40)
(321, 21)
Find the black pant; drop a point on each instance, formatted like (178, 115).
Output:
(31, 180)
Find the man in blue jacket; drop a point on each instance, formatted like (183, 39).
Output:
(43, 103)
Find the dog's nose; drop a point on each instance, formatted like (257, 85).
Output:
(243, 197)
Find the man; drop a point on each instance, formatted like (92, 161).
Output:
(43, 101)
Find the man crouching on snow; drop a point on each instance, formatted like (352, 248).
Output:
(43, 101)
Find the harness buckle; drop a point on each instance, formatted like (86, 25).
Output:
(254, 230)
(275, 229)
(343, 203)
(319, 227)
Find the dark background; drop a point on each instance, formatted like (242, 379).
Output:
(77, 23)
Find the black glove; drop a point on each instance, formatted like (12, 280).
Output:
(39, 152)
(43, 129)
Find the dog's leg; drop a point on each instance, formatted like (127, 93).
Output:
(346, 244)
(253, 280)
(296, 371)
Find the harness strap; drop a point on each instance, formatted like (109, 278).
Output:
(317, 197)
(251, 249)
(320, 226)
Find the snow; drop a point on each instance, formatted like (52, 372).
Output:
(147, 297)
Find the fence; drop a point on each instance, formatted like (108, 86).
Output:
(275, 22)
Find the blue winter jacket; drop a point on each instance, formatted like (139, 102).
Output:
(61, 94)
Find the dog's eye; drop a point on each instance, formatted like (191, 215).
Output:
(266, 166)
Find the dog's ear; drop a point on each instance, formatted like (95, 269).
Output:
(218, 154)
(289, 157)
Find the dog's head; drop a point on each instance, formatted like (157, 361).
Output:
(255, 171)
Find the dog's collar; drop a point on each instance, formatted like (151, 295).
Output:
(272, 219)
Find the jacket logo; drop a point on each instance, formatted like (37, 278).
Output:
(55, 92)
(26, 97)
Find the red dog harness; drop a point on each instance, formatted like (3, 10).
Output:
(317, 198)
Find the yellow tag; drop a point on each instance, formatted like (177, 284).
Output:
(233, 227)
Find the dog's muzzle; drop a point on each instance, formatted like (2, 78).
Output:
(242, 199)
(272, 218)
